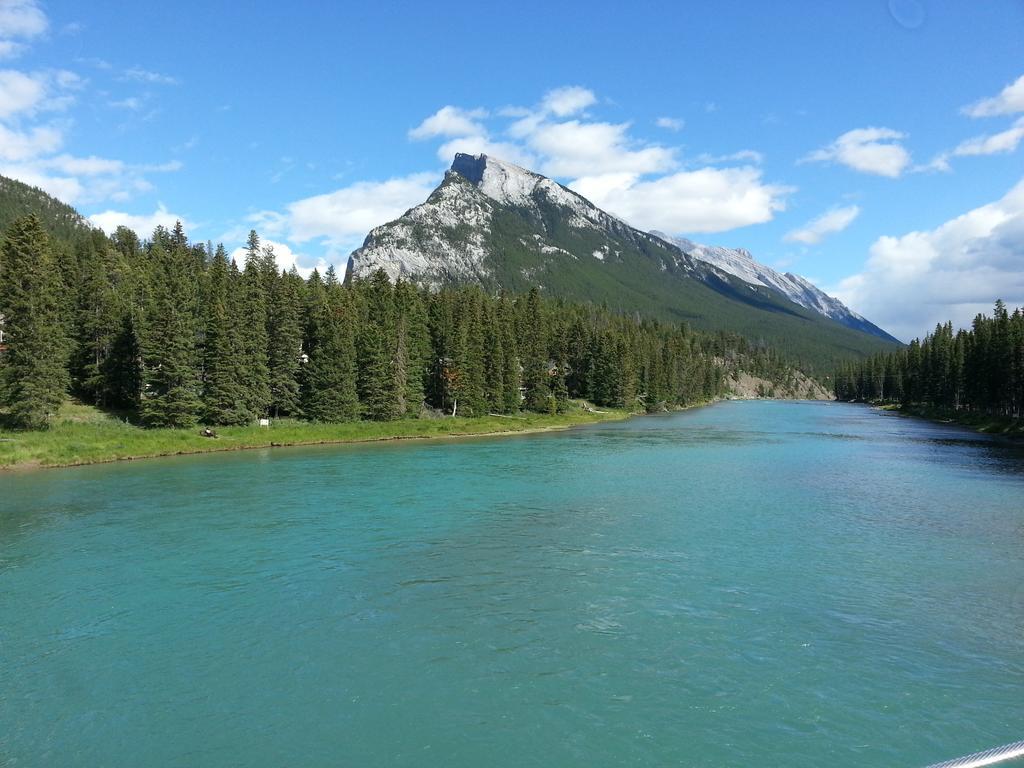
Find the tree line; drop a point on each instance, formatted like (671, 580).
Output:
(173, 333)
(978, 370)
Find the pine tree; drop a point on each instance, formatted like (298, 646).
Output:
(469, 355)
(224, 389)
(329, 377)
(413, 345)
(511, 394)
(494, 361)
(285, 340)
(377, 343)
(255, 367)
(170, 373)
(533, 343)
(33, 376)
(99, 315)
(122, 367)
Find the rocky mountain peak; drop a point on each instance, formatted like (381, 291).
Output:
(503, 182)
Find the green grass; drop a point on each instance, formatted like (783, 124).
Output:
(86, 435)
(992, 425)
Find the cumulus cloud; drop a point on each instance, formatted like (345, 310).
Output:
(20, 20)
(285, 257)
(337, 221)
(704, 200)
(913, 281)
(82, 180)
(343, 217)
(17, 146)
(475, 145)
(1008, 101)
(20, 93)
(142, 224)
(638, 181)
(830, 222)
(567, 100)
(575, 148)
(868, 150)
(450, 121)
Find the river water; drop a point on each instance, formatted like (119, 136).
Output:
(750, 584)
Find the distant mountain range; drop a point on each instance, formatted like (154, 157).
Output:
(740, 262)
(507, 228)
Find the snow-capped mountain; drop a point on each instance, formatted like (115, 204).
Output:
(740, 262)
(506, 228)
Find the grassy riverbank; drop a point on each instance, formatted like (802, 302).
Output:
(86, 435)
(992, 425)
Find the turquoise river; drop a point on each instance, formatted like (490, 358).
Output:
(749, 584)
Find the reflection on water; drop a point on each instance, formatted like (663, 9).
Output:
(748, 584)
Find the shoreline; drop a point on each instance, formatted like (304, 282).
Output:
(86, 437)
(997, 426)
(191, 443)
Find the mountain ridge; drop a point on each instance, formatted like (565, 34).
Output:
(741, 263)
(507, 228)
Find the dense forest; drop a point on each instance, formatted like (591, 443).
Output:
(172, 333)
(980, 370)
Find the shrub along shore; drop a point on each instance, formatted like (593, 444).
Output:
(85, 435)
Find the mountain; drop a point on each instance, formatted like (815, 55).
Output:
(507, 228)
(19, 199)
(740, 262)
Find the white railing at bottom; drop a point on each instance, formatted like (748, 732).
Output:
(988, 757)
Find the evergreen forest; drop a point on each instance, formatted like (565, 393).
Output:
(171, 333)
(980, 370)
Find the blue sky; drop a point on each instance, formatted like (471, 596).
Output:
(872, 145)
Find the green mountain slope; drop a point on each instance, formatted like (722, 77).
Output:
(59, 219)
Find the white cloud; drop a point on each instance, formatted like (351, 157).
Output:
(16, 146)
(635, 180)
(567, 100)
(1009, 101)
(10, 49)
(142, 224)
(952, 272)
(450, 121)
(670, 123)
(139, 75)
(816, 230)
(132, 104)
(475, 145)
(743, 156)
(285, 257)
(342, 218)
(996, 143)
(1003, 142)
(83, 166)
(65, 188)
(20, 92)
(704, 200)
(19, 19)
(868, 150)
(574, 148)
(79, 180)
